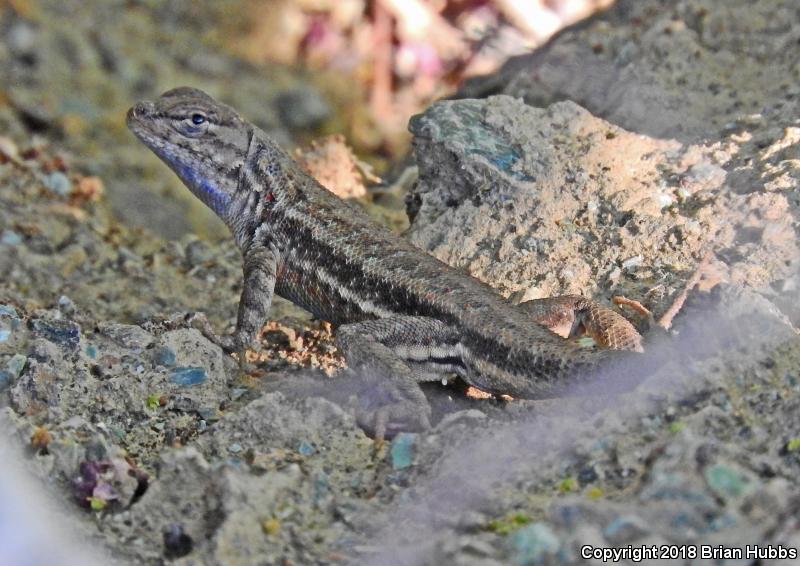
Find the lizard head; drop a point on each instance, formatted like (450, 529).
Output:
(203, 141)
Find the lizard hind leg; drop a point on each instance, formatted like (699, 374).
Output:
(389, 354)
(572, 316)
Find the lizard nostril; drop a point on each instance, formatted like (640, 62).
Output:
(141, 109)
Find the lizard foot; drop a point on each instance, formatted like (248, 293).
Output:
(229, 342)
(385, 407)
(385, 422)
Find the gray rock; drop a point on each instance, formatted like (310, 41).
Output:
(667, 76)
(513, 185)
(302, 108)
(12, 369)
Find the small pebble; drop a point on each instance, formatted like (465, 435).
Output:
(305, 449)
(58, 183)
(625, 529)
(10, 238)
(8, 148)
(727, 481)
(197, 253)
(208, 414)
(302, 108)
(587, 474)
(632, 262)
(238, 393)
(626, 53)
(65, 305)
(322, 485)
(176, 542)
(16, 364)
(21, 39)
(403, 450)
(534, 543)
(8, 322)
(8, 311)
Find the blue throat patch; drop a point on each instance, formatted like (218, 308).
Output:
(206, 190)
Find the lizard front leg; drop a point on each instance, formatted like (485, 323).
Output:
(388, 350)
(258, 287)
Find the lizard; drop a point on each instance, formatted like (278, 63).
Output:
(398, 312)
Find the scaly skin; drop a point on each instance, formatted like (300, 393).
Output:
(399, 311)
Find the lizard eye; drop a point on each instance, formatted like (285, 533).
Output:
(193, 125)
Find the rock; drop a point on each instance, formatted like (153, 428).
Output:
(513, 185)
(728, 481)
(305, 449)
(9, 321)
(302, 108)
(66, 305)
(197, 253)
(666, 75)
(12, 370)
(8, 149)
(21, 38)
(7, 311)
(10, 238)
(403, 450)
(176, 542)
(625, 529)
(534, 544)
(58, 183)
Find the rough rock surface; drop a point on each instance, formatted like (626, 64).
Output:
(555, 201)
(158, 450)
(691, 70)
